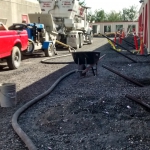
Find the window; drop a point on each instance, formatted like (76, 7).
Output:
(131, 28)
(107, 28)
(119, 27)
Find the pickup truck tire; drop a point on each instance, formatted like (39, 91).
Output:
(50, 51)
(30, 48)
(14, 60)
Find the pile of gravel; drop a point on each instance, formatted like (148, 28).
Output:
(91, 112)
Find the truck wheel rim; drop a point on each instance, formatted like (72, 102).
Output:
(50, 50)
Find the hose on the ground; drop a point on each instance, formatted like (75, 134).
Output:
(45, 61)
(24, 137)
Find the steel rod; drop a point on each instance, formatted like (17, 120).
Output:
(125, 77)
(138, 101)
(125, 55)
(117, 43)
(130, 44)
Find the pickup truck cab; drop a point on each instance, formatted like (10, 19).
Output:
(12, 44)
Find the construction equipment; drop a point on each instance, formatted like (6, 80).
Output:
(12, 45)
(38, 38)
(70, 20)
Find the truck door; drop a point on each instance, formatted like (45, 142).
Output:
(21, 34)
(24, 38)
(6, 41)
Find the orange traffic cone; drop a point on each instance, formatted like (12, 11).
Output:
(120, 38)
(141, 41)
(135, 40)
(123, 35)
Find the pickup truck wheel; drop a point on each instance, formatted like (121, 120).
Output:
(30, 48)
(50, 51)
(14, 60)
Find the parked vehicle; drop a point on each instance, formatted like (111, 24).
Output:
(12, 44)
(69, 18)
(38, 38)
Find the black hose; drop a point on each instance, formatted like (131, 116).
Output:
(125, 77)
(24, 137)
(124, 55)
(44, 61)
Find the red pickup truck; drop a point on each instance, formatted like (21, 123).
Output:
(12, 44)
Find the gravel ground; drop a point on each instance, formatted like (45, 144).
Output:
(88, 113)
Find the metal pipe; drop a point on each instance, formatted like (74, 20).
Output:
(138, 101)
(124, 55)
(125, 77)
(65, 45)
(130, 44)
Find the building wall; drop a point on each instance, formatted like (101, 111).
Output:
(100, 26)
(12, 10)
(144, 21)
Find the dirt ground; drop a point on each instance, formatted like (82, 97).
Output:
(90, 113)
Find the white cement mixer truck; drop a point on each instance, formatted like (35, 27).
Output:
(71, 21)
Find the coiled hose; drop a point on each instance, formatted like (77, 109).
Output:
(24, 137)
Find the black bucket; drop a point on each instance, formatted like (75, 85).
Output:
(86, 57)
(7, 94)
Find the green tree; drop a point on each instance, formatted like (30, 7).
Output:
(130, 14)
(100, 15)
(82, 3)
(114, 16)
(90, 17)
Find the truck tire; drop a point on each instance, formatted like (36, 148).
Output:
(14, 60)
(80, 40)
(30, 48)
(50, 51)
(90, 38)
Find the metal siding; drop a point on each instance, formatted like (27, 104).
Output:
(145, 26)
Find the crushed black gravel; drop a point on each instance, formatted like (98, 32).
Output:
(90, 113)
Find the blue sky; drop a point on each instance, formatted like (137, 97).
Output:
(109, 5)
